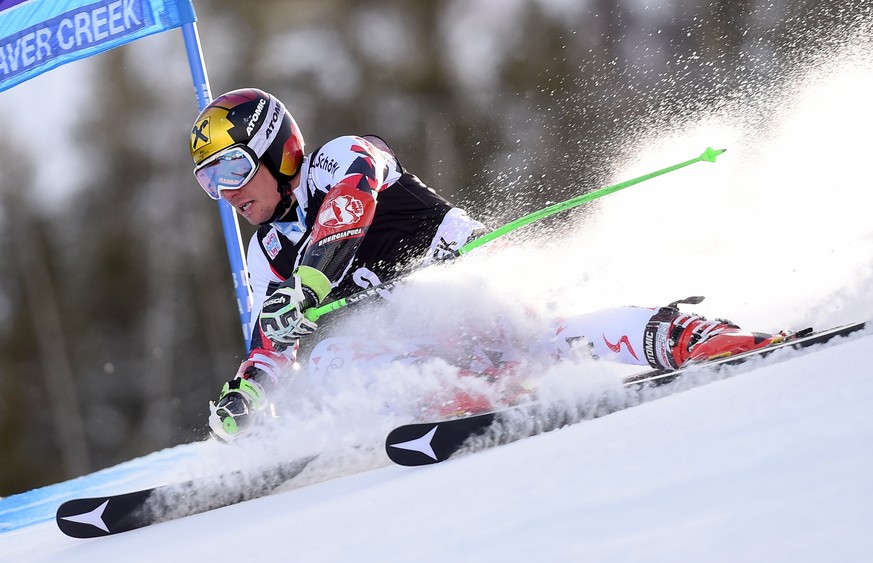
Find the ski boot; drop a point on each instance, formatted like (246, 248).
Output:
(674, 339)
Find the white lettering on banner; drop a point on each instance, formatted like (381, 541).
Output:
(114, 17)
(68, 32)
(43, 45)
(130, 19)
(83, 29)
(7, 53)
(64, 35)
(100, 21)
(27, 48)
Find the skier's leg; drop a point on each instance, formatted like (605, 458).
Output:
(349, 352)
(614, 334)
(663, 338)
(456, 378)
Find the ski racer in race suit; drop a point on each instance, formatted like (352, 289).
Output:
(348, 216)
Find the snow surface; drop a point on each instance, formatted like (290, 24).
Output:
(773, 464)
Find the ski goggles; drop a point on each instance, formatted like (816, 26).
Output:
(229, 169)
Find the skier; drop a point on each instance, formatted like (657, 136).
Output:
(348, 216)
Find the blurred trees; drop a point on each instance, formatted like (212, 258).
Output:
(117, 319)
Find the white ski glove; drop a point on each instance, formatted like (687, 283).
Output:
(282, 319)
(244, 401)
(240, 402)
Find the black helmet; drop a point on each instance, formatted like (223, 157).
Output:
(259, 123)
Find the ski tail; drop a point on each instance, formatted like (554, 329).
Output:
(433, 442)
(114, 514)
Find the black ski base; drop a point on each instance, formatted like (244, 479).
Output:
(114, 514)
(432, 442)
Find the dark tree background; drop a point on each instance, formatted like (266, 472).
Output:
(117, 316)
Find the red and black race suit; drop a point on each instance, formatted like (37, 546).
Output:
(358, 216)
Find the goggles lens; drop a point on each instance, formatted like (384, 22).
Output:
(229, 169)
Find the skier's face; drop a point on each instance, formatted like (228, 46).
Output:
(257, 199)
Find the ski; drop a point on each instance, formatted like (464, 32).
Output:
(114, 514)
(425, 443)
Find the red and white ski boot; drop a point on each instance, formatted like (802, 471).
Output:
(674, 339)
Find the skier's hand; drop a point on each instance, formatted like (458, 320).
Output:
(244, 400)
(240, 402)
(282, 319)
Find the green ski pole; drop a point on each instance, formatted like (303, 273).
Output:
(709, 155)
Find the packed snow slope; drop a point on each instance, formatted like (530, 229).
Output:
(772, 464)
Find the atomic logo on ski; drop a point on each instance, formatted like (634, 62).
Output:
(94, 517)
(422, 444)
